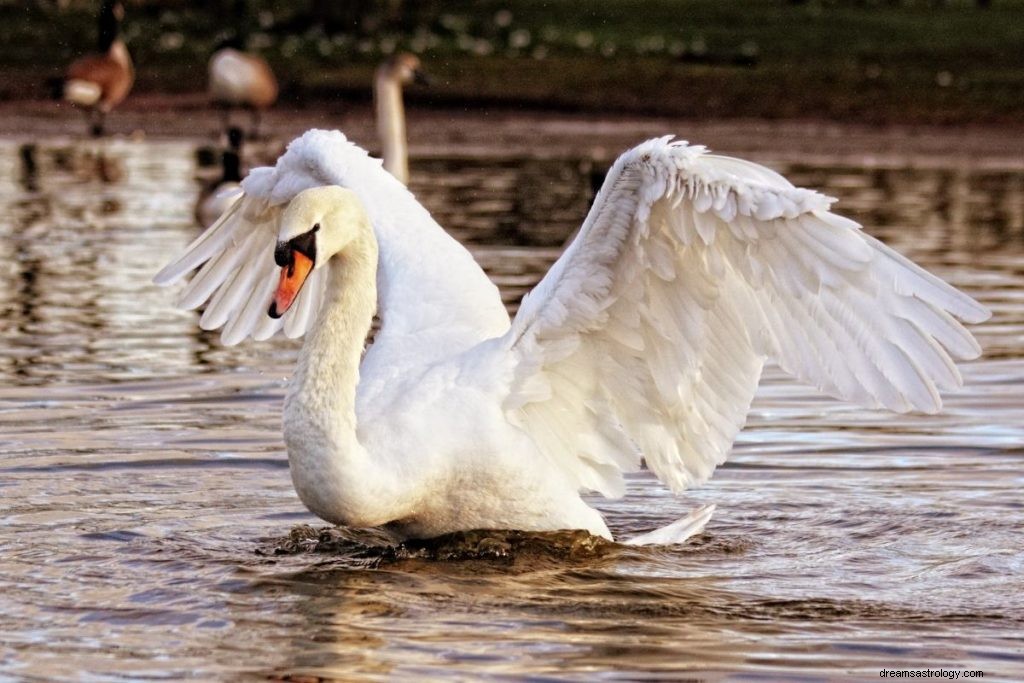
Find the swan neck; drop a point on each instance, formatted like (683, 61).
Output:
(328, 368)
(329, 467)
(391, 123)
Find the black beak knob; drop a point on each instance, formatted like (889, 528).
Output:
(283, 254)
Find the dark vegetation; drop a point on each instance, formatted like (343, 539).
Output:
(529, 550)
(935, 62)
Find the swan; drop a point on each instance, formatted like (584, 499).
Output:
(99, 82)
(645, 340)
(391, 75)
(228, 189)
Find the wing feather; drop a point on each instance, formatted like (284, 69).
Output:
(236, 271)
(235, 275)
(648, 336)
(204, 247)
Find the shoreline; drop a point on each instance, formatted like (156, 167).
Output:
(483, 132)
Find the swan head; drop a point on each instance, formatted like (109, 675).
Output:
(405, 68)
(317, 224)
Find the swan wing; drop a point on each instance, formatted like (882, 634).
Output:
(236, 275)
(648, 336)
(429, 286)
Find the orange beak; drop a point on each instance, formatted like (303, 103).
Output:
(293, 276)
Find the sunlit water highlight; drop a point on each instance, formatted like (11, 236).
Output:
(145, 504)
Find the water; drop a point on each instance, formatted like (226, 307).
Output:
(146, 504)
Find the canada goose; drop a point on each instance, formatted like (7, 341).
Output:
(402, 69)
(241, 79)
(216, 199)
(100, 81)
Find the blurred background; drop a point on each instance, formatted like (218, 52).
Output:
(924, 61)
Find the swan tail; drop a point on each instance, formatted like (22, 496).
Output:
(678, 531)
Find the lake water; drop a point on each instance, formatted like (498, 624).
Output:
(144, 486)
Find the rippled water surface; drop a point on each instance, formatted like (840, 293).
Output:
(145, 503)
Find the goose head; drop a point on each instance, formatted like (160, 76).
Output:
(318, 224)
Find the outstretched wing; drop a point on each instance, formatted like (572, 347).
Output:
(237, 273)
(434, 298)
(648, 336)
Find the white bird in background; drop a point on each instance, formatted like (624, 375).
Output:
(402, 69)
(646, 339)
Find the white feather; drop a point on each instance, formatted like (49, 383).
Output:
(236, 255)
(788, 281)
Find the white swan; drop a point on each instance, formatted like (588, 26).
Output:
(402, 69)
(646, 339)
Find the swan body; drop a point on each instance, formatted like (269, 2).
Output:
(391, 76)
(645, 340)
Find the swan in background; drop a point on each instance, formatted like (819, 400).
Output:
(100, 81)
(645, 340)
(241, 79)
(228, 189)
(402, 69)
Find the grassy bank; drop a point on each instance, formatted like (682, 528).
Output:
(696, 58)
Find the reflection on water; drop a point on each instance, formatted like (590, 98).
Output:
(143, 481)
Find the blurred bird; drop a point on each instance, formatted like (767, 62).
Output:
(402, 69)
(241, 79)
(100, 81)
(216, 199)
